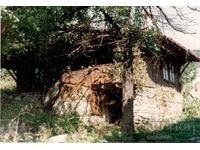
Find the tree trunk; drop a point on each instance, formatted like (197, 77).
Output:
(127, 124)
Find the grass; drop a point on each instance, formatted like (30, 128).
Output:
(41, 125)
(182, 131)
(28, 117)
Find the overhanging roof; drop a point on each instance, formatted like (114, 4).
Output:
(175, 48)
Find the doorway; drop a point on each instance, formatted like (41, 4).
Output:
(110, 103)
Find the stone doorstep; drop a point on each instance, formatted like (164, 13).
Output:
(26, 96)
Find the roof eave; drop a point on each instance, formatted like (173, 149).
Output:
(188, 53)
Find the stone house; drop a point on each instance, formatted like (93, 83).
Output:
(95, 91)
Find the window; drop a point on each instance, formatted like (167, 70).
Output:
(165, 73)
(168, 73)
(171, 73)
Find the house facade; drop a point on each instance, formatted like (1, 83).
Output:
(95, 92)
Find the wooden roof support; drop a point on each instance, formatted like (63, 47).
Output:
(184, 68)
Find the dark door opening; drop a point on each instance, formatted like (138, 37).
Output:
(108, 101)
(113, 106)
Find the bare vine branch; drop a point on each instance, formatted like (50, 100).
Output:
(169, 22)
(194, 8)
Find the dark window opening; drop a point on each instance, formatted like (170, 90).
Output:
(99, 56)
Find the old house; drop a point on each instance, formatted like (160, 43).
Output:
(93, 87)
(92, 84)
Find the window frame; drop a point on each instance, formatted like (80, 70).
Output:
(168, 73)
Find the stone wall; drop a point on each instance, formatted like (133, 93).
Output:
(158, 102)
(154, 107)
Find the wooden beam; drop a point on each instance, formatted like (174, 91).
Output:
(184, 68)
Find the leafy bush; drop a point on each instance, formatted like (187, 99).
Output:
(30, 123)
(191, 106)
(189, 73)
(64, 124)
(57, 124)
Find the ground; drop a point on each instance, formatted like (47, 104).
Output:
(23, 120)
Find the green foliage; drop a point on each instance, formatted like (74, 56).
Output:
(189, 73)
(36, 29)
(39, 29)
(191, 104)
(64, 124)
(138, 19)
(57, 124)
(182, 131)
(30, 114)
(10, 110)
(151, 40)
(134, 28)
(41, 37)
(90, 128)
(8, 91)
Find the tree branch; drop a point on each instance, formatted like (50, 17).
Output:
(12, 75)
(193, 9)
(170, 23)
(110, 20)
(71, 13)
(150, 15)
